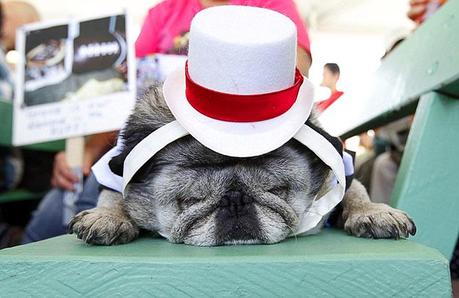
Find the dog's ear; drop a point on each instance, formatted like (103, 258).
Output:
(150, 113)
(116, 164)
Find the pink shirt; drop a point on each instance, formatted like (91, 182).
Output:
(167, 24)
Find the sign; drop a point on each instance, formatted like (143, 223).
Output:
(74, 78)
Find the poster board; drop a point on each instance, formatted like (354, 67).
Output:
(74, 78)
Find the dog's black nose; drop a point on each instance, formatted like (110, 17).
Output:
(235, 201)
(237, 219)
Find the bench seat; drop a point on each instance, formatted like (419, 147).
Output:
(325, 265)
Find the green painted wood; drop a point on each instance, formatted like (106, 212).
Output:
(19, 195)
(382, 120)
(326, 265)
(6, 122)
(427, 60)
(427, 185)
(6, 128)
(452, 90)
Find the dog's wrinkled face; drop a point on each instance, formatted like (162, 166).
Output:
(193, 195)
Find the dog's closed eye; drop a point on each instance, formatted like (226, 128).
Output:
(280, 191)
(191, 200)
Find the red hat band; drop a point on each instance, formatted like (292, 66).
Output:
(241, 108)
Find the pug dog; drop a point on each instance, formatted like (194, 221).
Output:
(190, 194)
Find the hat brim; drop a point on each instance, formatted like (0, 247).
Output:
(237, 139)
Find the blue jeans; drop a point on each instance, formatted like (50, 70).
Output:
(47, 220)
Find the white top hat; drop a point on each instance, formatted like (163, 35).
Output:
(241, 95)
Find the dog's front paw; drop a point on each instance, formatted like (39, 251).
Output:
(103, 227)
(379, 221)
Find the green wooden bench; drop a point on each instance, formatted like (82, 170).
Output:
(18, 195)
(6, 125)
(326, 265)
(422, 75)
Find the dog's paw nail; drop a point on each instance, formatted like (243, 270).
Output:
(380, 221)
(103, 227)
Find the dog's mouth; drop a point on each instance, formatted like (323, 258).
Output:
(235, 219)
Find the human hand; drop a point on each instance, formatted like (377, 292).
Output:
(122, 69)
(96, 146)
(63, 176)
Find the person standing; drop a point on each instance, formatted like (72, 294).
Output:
(330, 79)
(166, 26)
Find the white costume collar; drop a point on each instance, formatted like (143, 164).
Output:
(173, 131)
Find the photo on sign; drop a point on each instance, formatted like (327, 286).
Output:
(74, 78)
(75, 62)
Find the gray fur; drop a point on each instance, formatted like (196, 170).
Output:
(181, 192)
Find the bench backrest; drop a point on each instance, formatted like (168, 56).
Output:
(422, 75)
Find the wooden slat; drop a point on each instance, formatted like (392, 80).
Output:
(427, 185)
(6, 121)
(19, 195)
(427, 60)
(330, 264)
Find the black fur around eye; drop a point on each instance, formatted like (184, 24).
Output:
(191, 200)
(184, 203)
(280, 191)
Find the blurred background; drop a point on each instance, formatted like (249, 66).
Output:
(354, 33)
